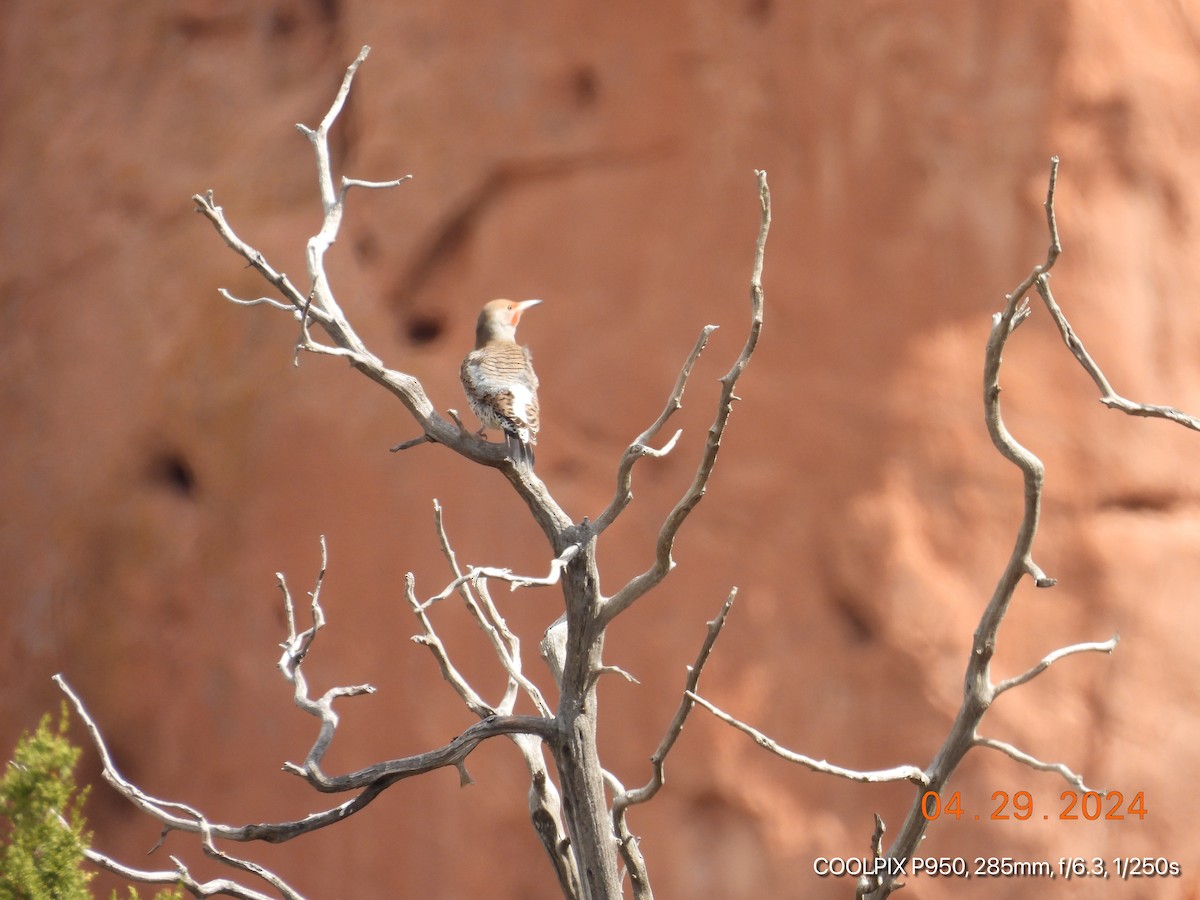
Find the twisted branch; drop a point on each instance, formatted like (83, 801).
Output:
(978, 690)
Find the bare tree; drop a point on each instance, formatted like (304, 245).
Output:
(583, 832)
(979, 691)
(586, 834)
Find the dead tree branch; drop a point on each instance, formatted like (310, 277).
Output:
(1108, 396)
(319, 305)
(1076, 781)
(294, 650)
(368, 782)
(675, 728)
(978, 690)
(878, 776)
(641, 446)
(623, 799)
(663, 563)
(474, 575)
(545, 805)
(180, 875)
(1050, 658)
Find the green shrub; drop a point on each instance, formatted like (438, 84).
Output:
(42, 843)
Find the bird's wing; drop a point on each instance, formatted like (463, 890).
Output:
(502, 364)
(502, 375)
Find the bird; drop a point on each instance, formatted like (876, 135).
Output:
(499, 380)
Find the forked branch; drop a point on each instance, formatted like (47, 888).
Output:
(545, 804)
(641, 448)
(319, 305)
(368, 782)
(663, 562)
(180, 875)
(978, 690)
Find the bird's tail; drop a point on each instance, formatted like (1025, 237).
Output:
(521, 451)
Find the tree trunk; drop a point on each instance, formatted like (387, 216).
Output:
(586, 811)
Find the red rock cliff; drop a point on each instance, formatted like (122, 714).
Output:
(162, 458)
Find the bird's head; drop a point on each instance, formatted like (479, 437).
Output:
(498, 320)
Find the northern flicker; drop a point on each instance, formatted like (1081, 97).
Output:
(499, 379)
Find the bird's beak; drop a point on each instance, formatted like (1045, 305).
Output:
(520, 308)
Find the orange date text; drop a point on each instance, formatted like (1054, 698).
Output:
(1088, 806)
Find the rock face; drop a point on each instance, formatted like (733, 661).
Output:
(162, 458)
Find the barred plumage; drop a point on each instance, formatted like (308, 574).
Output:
(499, 380)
